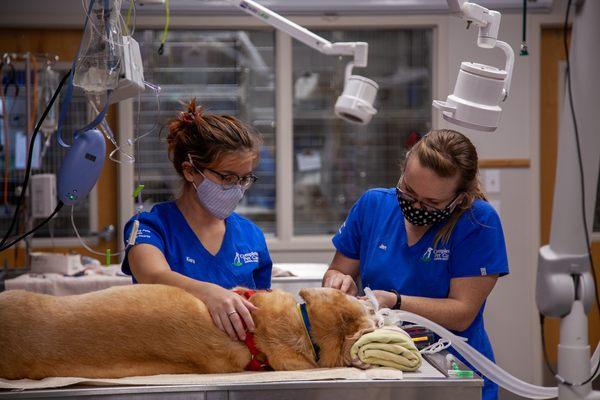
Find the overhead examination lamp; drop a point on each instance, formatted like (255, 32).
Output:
(479, 88)
(355, 104)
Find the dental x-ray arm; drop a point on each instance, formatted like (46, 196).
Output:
(479, 88)
(488, 22)
(356, 102)
(358, 50)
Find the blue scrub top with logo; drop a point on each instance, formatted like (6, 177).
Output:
(375, 234)
(242, 260)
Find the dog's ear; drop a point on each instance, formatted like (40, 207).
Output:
(308, 295)
(318, 297)
(349, 342)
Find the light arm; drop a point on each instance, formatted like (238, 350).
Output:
(356, 102)
(488, 21)
(358, 50)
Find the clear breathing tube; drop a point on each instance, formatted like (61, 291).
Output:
(480, 362)
(477, 360)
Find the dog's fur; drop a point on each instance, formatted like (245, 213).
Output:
(158, 329)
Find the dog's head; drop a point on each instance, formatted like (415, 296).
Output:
(337, 321)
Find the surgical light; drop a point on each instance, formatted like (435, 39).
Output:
(479, 88)
(355, 104)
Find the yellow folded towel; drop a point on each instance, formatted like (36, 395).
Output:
(389, 346)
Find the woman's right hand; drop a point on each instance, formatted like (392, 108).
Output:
(339, 280)
(228, 310)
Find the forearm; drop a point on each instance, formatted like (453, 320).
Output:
(176, 279)
(450, 313)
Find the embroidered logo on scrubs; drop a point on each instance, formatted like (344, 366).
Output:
(383, 246)
(241, 259)
(435, 255)
(427, 255)
(190, 260)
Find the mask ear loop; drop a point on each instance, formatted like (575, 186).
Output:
(195, 169)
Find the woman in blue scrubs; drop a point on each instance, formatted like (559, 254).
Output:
(197, 242)
(432, 246)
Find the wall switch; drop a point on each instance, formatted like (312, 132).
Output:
(491, 181)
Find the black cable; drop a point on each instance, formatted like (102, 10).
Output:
(545, 352)
(23, 236)
(30, 157)
(583, 212)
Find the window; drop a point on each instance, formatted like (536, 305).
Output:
(228, 72)
(335, 161)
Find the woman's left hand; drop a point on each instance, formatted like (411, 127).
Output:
(386, 299)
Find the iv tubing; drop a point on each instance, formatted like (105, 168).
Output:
(85, 245)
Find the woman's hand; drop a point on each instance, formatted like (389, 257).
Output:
(229, 311)
(386, 299)
(338, 280)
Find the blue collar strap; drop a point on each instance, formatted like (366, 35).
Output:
(304, 313)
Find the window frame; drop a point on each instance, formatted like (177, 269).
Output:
(284, 239)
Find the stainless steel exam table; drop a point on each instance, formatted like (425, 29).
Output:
(406, 389)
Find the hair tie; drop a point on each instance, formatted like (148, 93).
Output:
(188, 117)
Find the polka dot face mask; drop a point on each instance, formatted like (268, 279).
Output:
(425, 215)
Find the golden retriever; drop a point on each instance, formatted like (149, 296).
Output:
(158, 329)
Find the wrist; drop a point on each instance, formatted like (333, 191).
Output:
(397, 300)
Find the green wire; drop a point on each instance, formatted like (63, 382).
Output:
(128, 18)
(524, 51)
(163, 38)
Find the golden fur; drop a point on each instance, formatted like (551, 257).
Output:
(158, 329)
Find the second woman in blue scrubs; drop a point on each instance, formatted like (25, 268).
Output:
(197, 242)
(432, 245)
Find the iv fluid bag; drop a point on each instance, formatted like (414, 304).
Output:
(49, 83)
(98, 65)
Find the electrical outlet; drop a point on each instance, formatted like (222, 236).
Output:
(492, 181)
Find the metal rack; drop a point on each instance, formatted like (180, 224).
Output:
(228, 72)
(24, 111)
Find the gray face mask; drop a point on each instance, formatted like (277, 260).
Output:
(216, 200)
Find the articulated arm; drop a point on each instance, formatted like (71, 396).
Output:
(358, 50)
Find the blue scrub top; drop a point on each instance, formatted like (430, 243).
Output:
(375, 234)
(242, 260)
